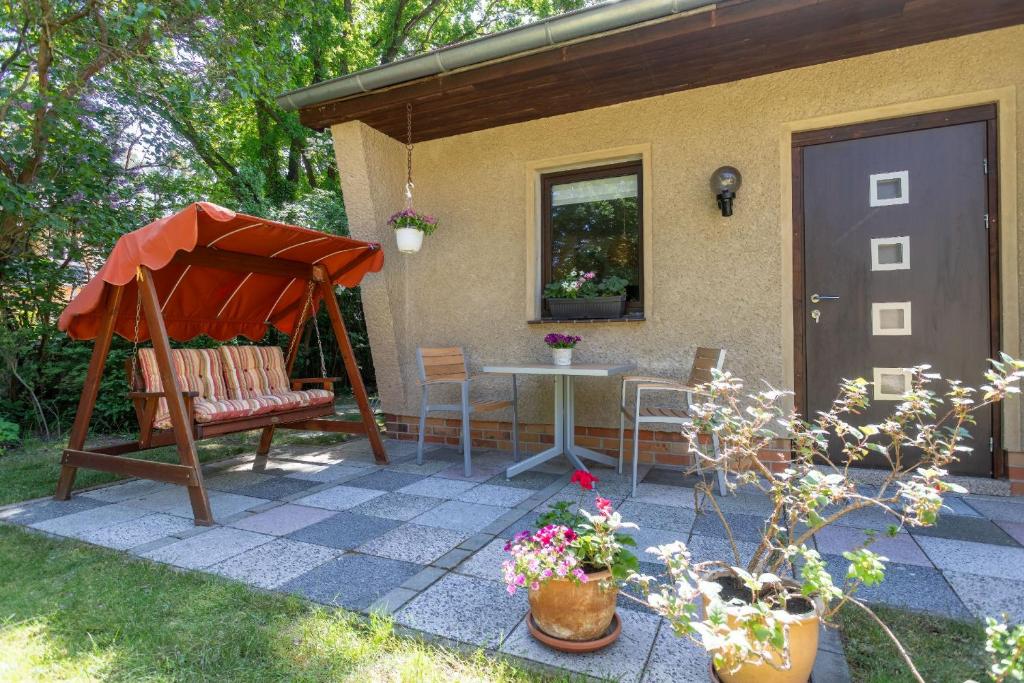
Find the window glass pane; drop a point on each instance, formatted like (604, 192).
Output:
(595, 226)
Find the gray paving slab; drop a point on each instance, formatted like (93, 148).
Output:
(907, 586)
(233, 481)
(977, 529)
(974, 558)
(392, 601)
(986, 596)
(118, 493)
(338, 497)
(354, 581)
(622, 661)
(577, 498)
(743, 527)
(282, 520)
(277, 488)
(830, 667)
(660, 494)
(1014, 529)
(648, 538)
(489, 494)
(278, 467)
(78, 524)
(333, 473)
(661, 475)
(344, 530)
(460, 516)
(674, 660)
(207, 549)
(955, 505)
(478, 474)
(465, 609)
(275, 562)
(428, 468)
(414, 543)
(532, 480)
(649, 516)
(453, 558)
(527, 522)
(175, 501)
(438, 487)
(835, 540)
(400, 506)
(136, 532)
(998, 509)
(486, 562)
(425, 577)
(707, 548)
(40, 511)
(385, 480)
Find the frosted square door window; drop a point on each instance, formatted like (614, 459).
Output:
(892, 318)
(890, 253)
(887, 189)
(891, 383)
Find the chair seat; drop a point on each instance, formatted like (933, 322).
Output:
(209, 410)
(670, 413)
(489, 406)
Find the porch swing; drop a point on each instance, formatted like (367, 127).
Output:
(208, 270)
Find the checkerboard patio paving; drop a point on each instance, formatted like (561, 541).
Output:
(425, 545)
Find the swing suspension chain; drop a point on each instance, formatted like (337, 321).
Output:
(408, 155)
(135, 334)
(308, 307)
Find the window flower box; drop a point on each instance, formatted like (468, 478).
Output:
(590, 307)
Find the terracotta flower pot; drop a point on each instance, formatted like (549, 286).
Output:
(572, 611)
(803, 650)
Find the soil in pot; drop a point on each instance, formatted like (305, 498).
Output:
(576, 612)
(803, 639)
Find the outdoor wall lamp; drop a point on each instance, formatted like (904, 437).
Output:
(725, 181)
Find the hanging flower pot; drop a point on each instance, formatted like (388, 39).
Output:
(410, 227)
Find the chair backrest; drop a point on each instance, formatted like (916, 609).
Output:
(446, 364)
(251, 371)
(704, 361)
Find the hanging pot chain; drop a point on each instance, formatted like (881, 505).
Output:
(408, 154)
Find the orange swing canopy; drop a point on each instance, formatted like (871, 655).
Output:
(219, 273)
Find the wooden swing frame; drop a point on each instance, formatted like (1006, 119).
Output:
(184, 431)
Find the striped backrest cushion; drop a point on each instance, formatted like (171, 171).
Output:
(198, 370)
(252, 371)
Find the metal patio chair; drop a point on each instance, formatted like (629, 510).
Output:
(704, 361)
(448, 366)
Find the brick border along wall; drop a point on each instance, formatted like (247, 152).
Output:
(1016, 473)
(669, 447)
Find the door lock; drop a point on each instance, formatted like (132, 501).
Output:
(816, 314)
(818, 298)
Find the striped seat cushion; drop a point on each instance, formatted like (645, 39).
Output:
(198, 370)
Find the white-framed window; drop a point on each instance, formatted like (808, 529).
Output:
(891, 318)
(890, 253)
(891, 383)
(887, 189)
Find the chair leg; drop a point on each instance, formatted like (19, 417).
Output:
(636, 452)
(466, 441)
(622, 427)
(515, 421)
(423, 427)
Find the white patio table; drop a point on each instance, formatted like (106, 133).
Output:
(565, 417)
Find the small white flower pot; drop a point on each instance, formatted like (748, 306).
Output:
(409, 240)
(562, 356)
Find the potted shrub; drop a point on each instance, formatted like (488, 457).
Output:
(571, 567)
(757, 624)
(561, 346)
(582, 295)
(410, 227)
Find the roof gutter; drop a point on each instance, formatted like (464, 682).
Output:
(547, 33)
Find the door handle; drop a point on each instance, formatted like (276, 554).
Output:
(818, 298)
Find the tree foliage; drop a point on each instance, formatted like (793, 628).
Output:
(113, 113)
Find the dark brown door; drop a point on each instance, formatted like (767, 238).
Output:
(896, 267)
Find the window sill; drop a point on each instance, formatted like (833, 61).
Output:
(587, 321)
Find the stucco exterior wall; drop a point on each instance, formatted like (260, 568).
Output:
(715, 281)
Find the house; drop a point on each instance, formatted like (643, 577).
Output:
(876, 227)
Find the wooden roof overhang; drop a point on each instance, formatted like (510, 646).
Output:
(728, 41)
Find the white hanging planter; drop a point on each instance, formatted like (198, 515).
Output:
(410, 240)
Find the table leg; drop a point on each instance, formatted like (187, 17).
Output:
(559, 446)
(573, 452)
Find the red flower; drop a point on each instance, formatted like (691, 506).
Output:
(604, 505)
(585, 479)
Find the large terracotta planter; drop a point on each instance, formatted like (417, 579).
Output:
(803, 650)
(580, 612)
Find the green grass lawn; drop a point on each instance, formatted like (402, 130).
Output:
(69, 611)
(943, 650)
